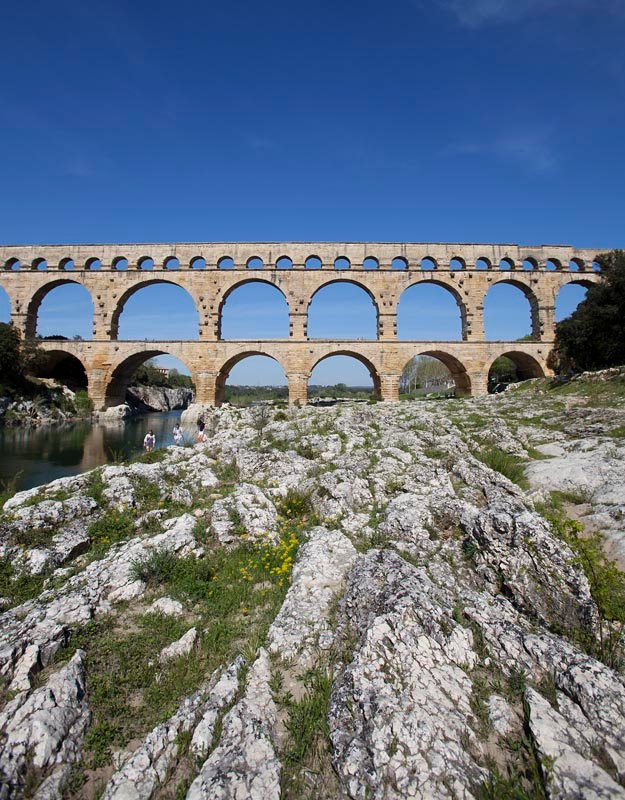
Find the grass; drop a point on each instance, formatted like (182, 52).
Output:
(112, 527)
(295, 505)
(508, 465)
(17, 588)
(617, 433)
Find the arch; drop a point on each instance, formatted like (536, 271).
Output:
(5, 305)
(457, 263)
(225, 262)
(67, 264)
(371, 262)
(40, 264)
(226, 369)
(313, 262)
(500, 315)
(530, 263)
(13, 264)
(145, 262)
(569, 296)
(577, 265)
(171, 262)
(133, 290)
(553, 264)
(93, 263)
(406, 323)
(120, 263)
(399, 262)
(456, 369)
(342, 262)
(277, 319)
(506, 263)
(197, 262)
(596, 266)
(120, 376)
(316, 313)
(34, 305)
(255, 262)
(428, 263)
(483, 263)
(525, 367)
(63, 367)
(372, 370)
(284, 262)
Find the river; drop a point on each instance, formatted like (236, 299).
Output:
(34, 456)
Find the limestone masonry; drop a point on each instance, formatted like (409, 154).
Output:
(210, 272)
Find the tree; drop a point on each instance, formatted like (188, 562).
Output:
(593, 337)
(10, 358)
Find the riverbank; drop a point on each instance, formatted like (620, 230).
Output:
(341, 602)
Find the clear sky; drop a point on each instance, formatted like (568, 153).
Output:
(418, 120)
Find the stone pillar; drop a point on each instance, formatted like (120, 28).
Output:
(96, 389)
(389, 387)
(209, 325)
(546, 321)
(101, 325)
(206, 388)
(474, 327)
(298, 388)
(387, 326)
(479, 382)
(298, 325)
(20, 320)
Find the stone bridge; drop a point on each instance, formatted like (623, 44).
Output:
(210, 272)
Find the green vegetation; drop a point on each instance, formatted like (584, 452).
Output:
(295, 505)
(149, 375)
(112, 527)
(510, 466)
(18, 587)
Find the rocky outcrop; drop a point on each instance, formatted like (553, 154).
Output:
(455, 634)
(142, 399)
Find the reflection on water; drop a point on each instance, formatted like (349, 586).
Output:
(39, 455)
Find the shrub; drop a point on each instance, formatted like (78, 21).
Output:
(112, 527)
(508, 465)
(295, 505)
(157, 567)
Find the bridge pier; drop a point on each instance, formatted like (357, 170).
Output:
(298, 388)
(389, 387)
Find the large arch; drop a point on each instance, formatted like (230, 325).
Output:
(273, 292)
(227, 367)
(404, 324)
(316, 320)
(34, 304)
(569, 296)
(64, 367)
(134, 290)
(455, 366)
(119, 378)
(372, 370)
(526, 365)
(5, 305)
(532, 300)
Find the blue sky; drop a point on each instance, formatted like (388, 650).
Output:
(419, 120)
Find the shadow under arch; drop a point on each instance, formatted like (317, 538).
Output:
(456, 368)
(34, 304)
(377, 384)
(135, 289)
(531, 298)
(226, 369)
(237, 285)
(121, 374)
(64, 367)
(344, 282)
(451, 290)
(526, 365)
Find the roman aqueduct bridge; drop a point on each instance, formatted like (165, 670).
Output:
(210, 272)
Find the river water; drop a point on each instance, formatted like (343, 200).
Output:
(38, 455)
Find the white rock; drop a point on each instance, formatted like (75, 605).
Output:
(181, 647)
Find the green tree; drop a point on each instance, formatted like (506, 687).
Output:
(10, 357)
(593, 337)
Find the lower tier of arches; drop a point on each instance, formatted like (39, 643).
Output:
(109, 366)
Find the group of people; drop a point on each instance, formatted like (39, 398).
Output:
(149, 441)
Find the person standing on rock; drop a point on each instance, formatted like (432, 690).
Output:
(178, 435)
(201, 433)
(149, 442)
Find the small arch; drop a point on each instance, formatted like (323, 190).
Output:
(93, 264)
(67, 264)
(262, 370)
(506, 316)
(457, 264)
(40, 264)
(68, 309)
(225, 262)
(341, 373)
(512, 367)
(343, 309)
(198, 262)
(146, 262)
(63, 367)
(428, 263)
(399, 262)
(553, 264)
(253, 309)
(138, 314)
(506, 264)
(123, 373)
(422, 369)
(371, 263)
(483, 263)
(255, 262)
(13, 265)
(596, 266)
(342, 263)
(313, 262)
(530, 263)
(431, 311)
(171, 262)
(284, 262)
(576, 265)
(120, 263)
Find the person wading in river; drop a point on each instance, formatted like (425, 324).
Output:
(149, 442)
(178, 435)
